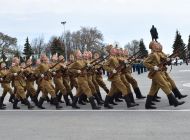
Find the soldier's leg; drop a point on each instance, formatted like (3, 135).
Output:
(102, 84)
(97, 87)
(68, 87)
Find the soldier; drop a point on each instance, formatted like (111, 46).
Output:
(44, 71)
(5, 84)
(79, 67)
(116, 84)
(19, 84)
(152, 62)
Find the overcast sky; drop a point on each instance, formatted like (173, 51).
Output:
(118, 20)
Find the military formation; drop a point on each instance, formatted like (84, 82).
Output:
(53, 80)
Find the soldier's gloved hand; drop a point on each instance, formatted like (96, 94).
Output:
(22, 70)
(15, 74)
(1, 79)
(64, 66)
(78, 71)
(88, 65)
(50, 70)
(114, 71)
(168, 59)
(42, 75)
(126, 61)
(156, 68)
(54, 73)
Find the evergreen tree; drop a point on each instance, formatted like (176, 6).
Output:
(27, 49)
(179, 46)
(56, 46)
(143, 51)
(188, 48)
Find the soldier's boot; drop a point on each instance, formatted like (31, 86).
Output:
(2, 100)
(128, 101)
(106, 102)
(67, 101)
(28, 104)
(93, 104)
(118, 97)
(132, 99)
(111, 100)
(156, 96)
(15, 104)
(56, 103)
(173, 101)
(71, 95)
(81, 100)
(85, 99)
(1, 103)
(138, 93)
(99, 101)
(107, 90)
(100, 96)
(74, 103)
(59, 96)
(48, 99)
(41, 101)
(27, 95)
(178, 94)
(11, 99)
(148, 104)
(35, 100)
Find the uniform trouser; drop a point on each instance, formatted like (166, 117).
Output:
(170, 80)
(158, 81)
(58, 81)
(131, 80)
(100, 82)
(30, 88)
(118, 86)
(73, 82)
(126, 83)
(95, 83)
(83, 87)
(91, 85)
(66, 83)
(47, 87)
(6, 88)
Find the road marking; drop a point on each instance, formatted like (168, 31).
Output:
(186, 85)
(184, 70)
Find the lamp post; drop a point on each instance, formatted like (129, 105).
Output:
(64, 22)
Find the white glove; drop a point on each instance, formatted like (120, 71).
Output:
(168, 59)
(54, 73)
(1, 79)
(64, 66)
(156, 68)
(15, 74)
(125, 61)
(22, 70)
(50, 70)
(114, 71)
(78, 71)
(88, 65)
(42, 75)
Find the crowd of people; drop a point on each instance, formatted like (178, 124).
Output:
(56, 78)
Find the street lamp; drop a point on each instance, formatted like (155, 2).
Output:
(64, 22)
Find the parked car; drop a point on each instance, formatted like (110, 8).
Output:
(179, 61)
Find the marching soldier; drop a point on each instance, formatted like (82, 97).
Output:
(152, 63)
(19, 84)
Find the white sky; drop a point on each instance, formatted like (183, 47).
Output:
(119, 20)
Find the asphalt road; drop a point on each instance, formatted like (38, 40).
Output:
(121, 123)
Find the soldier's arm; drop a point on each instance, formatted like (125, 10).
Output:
(148, 62)
(107, 66)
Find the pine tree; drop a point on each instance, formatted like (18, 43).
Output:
(27, 49)
(188, 48)
(143, 51)
(56, 46)
(179, 46)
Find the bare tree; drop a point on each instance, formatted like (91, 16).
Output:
(132, 47)
(38, 45)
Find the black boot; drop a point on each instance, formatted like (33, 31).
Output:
(48, 99)
(28, 104)
(111, 100)
(11, 99)
(99, 101)
(132, 99)
(2, 100)
(93, 104)
(100, 96)
(35, 100)
(56, 103)
(107, 90)
(178, 94)
(1, 103)
(71, 95)
(74, 104)
(41, 101)
(106, 103)
(59, 96)
(15, 104)
(67, 101)
(148, 104)
(138, 93)
(174, 101)
(155, 99)
(128, 101)
(118, 97)
(156, 96)
(81, 100)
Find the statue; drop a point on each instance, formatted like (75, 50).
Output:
(154, 33)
